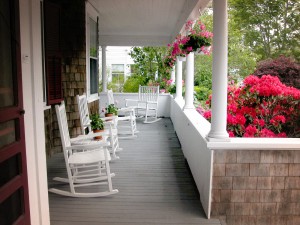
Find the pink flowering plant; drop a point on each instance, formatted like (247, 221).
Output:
(262, 107)
(169, 60)
(173, 51)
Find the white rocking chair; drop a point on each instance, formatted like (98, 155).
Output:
(127, 123)
(110, 125)
(87, 164)
(147, 103)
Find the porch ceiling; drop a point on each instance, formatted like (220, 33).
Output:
(144, 22)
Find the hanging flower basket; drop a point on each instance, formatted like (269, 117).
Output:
(198, 40)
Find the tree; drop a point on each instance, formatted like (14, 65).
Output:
(241, 59)
(149, 61)
(270, 28)
(283, 67)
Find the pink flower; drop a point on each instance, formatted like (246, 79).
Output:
(250, 131)
(240, 119)
(207, 114)
(282, 135)
(266, 133)
(169, 82)
(189, 49)
(231, 119)
(231, 134)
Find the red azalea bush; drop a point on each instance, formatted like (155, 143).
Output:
(262, 107)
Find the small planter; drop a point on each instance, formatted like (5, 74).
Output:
(98, 137)
(109, 114)
(181, 58)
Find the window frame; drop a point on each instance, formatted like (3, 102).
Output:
(91, 13)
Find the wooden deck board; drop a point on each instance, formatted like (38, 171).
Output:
(154, 183)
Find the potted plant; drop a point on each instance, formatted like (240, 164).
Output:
(97, 124)
(111, 110)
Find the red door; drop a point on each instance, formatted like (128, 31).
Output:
(14, 201)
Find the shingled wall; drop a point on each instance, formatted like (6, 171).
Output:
(73, 72)
(256, 187)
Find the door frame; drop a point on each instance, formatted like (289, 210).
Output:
(32, 82)
(16, 113)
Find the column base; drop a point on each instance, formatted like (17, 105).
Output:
(212, 139)
(218, 136)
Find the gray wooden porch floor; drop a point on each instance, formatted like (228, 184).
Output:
(155, 186)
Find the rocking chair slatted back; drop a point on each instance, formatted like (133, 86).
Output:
(63, 124)
(83, 113)
(148, 93)
(110, 97)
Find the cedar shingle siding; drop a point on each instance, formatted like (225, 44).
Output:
(73, 70)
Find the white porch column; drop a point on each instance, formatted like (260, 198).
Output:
(104, 75)
(178, 95)
(219, 72)
(173, 75)
(189, 82)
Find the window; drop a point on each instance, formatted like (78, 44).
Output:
(118, 77)
(92, 52)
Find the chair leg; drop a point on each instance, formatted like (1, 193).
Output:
(108, 171)
(146, 114)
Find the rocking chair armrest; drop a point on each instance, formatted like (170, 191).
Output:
(109, 118)
(151, 102)
(130, 100)
(89, 136)
(126, 109)
(88, 146)
(109, 122)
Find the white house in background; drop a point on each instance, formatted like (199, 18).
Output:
(118, 62)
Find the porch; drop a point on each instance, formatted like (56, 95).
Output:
(154, 182)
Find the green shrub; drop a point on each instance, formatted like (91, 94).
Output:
(201, 93)
(132, 84)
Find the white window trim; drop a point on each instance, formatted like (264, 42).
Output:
(93, 14)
